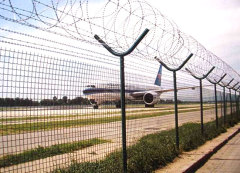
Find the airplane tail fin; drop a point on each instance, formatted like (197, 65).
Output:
(159, 76)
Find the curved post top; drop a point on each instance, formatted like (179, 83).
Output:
(176, 69)
(222, 85)
(217, 82)
(214, 83)
(126, 52)
(233, 86)
(203, 77)
(222, 78)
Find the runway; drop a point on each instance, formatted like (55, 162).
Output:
(21, 112)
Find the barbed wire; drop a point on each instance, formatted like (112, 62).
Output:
(119, 23)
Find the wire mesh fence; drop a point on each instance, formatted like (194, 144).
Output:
(62, 92)
(48, 121)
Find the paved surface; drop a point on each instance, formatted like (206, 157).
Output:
(226, 160)
(187, 161)
(100, 114)
(56, 111)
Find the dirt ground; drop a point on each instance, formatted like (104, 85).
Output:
(186, 159)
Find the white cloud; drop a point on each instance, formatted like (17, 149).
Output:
(215, 24)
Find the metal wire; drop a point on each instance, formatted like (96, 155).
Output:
(48, 57)
(119, 23)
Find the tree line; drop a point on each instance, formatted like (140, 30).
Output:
(64, 101)
(10, 102)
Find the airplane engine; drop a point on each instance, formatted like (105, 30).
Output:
(151, 98)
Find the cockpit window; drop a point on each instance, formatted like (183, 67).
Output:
(91, 86)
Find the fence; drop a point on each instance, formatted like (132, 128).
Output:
(68, 97)
(44, 108)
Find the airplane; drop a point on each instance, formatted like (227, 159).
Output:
(100, 93)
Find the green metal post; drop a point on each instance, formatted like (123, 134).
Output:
(201, 97)
(176, 108)
(175, 93)
(224, 107)
(122, 78)
(236, 103)
(201, 106)
(224, 101)
(216, 102)
(237, 97)
(230, 98)
(123, 109)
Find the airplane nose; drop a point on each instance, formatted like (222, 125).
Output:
(86, 91)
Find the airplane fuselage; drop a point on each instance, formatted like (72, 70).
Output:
(98, 94)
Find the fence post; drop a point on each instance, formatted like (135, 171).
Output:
(221, 108)
(238, 103)
(215, 92)
(175, 93)
(224, 107)
(236, 100)
(122, 78)
(201, 97)
(236, 107)
(231, 98)
(224, 100)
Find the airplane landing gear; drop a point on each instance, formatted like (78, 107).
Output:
(149, 106)
(95, 107)
(118, 104)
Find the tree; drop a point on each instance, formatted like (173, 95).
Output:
(65, 99)
(54, 100)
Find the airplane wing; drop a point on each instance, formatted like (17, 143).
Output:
(168, 90)
(160, 91)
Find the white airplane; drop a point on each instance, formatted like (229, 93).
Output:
(98, 94)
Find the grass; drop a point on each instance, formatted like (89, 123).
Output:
(29, 127)
(43, 152)
(152, 151)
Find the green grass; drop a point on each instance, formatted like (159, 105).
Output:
(43, 152)
(35, 126)
(152, 151)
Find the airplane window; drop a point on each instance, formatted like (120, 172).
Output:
(91, 86)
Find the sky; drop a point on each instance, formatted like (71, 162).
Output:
(213, 23)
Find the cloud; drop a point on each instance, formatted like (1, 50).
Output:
(215, 24)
